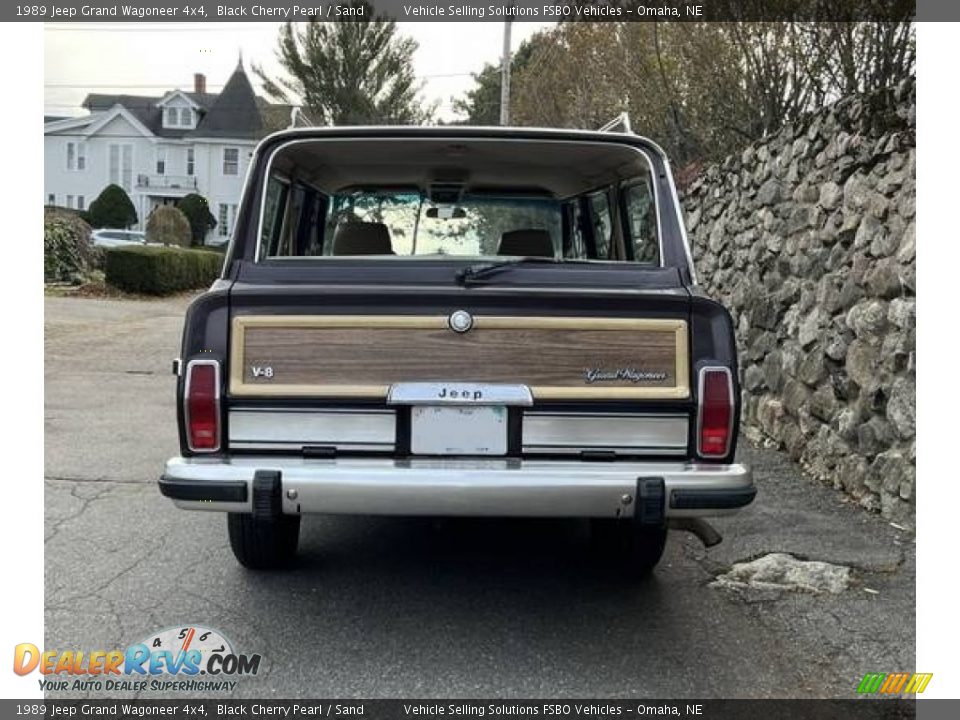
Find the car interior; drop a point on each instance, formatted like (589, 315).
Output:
(442, 198)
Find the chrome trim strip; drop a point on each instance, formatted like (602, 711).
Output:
(298, 427)
(311, 410)
(298, 447)
(216, 400)
(605, 431)
(576, 450)
(678, 209)
(602, 414)
(488, 487)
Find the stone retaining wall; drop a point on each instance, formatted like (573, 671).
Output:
(808, 237)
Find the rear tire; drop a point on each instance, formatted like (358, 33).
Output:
(263, 544)
(629, 546)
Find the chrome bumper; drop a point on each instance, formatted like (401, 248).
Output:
(519, 488)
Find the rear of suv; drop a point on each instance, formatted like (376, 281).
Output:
(458, 322)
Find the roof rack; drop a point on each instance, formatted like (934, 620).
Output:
(621, 124)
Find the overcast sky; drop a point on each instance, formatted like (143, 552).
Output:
(152, 58)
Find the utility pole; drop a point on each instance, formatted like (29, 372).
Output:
(505, 74)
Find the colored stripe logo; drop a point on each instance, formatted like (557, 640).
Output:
(894, 683)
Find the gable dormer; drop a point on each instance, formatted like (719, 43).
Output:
(178, 111)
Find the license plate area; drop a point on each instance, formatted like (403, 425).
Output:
(458, 430)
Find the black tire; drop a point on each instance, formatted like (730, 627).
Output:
(261, 544)
(629, 546)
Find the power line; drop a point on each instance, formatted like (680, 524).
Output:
(113, 86)
(167, 86)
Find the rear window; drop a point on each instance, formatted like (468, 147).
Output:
(452, 198)
(471, 227)
(406, 224)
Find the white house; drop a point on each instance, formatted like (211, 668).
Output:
(160, 149)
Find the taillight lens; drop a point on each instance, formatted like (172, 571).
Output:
(201, 405)
(715, 412)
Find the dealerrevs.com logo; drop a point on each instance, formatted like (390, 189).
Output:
(190, 659)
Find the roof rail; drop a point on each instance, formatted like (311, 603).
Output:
(621, 124)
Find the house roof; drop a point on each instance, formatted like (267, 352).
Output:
(235, 112)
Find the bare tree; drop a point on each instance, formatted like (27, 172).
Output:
(703, 89)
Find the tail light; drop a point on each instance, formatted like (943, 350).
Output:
(201, 405)
(715, 412)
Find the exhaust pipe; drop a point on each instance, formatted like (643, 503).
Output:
(706, 532)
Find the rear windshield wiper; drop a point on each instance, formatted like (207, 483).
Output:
(479, 271)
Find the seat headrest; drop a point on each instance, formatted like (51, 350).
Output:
(527, 242)
(362, 238)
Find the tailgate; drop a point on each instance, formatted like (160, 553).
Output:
(310, 370)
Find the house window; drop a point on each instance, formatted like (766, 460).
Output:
(81, 203)
(231, 161)
(76, 156)
(190, 161)
(178, 117)
(226, 217)
(161, 160)
(69, 201)
(121, 165)
(51, 199)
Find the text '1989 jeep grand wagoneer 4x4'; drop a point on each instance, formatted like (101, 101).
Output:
(458, 322)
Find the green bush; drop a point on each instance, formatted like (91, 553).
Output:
(168, 226)
(98, 258)
(112, 209)
(197, 210)
(68, 255)
(152, 270)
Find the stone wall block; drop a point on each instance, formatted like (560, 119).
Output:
(809, 238)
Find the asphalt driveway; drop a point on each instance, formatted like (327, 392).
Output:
(420, 608)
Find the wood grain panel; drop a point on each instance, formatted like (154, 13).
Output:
(326, 356)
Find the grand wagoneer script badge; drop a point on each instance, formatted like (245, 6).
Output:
(594, 375)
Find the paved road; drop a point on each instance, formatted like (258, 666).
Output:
(396, 607)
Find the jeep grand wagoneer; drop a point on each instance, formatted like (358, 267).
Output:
(458, 321)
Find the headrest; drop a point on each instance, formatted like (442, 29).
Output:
(527, 242)
(362, 238)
